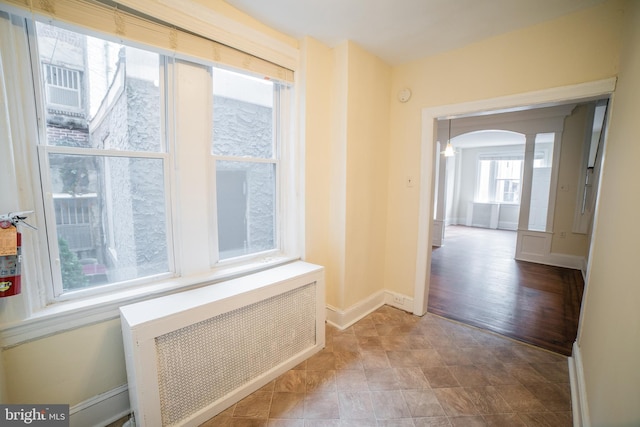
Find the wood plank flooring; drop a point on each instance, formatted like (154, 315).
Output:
(476, 280)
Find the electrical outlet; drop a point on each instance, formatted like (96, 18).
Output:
(563, 234)
(397, 299)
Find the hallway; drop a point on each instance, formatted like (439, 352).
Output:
(476, 280)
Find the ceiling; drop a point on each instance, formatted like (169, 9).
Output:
(400, 31)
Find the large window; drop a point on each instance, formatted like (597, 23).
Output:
(142, 169)
(103, 158)
(246, 133)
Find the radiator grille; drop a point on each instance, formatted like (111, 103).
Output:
(203, 362)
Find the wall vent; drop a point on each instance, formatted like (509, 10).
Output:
(193, 354)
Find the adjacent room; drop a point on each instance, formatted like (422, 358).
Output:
(513, 230)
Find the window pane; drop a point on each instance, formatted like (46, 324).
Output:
(242, 115)
(99, 94)
(541, 182)
(484, 180)
(246, 195)
(110, 218)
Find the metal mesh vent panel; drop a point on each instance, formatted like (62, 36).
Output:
(203, 362)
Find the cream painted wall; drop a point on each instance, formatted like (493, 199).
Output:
(567, 191)
(368, 103)
(609, 335)
(4, 396)
(321, 244)
(577, 48)
(346, 136)
(68, 367)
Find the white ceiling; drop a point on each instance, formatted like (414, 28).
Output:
(400, 31)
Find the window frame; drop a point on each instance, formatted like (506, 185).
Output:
(41, 315)
(281, 116)
(493, 175)
(50, 263)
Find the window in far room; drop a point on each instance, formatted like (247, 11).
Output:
(499, 179)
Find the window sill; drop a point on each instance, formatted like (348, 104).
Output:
(65, 316)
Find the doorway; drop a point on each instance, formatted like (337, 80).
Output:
(476, 280)
(427, 202)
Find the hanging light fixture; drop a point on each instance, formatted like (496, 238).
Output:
(448, 151)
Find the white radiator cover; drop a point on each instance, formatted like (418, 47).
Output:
(191, 355)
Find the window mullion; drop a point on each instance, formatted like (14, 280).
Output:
(104, 153)
(245, 159)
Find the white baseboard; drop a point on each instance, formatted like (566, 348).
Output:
(342, 319)
(506, 225)
(101, 410)
(397, 300)
(557, 260)
(585, 266)
(579, 403)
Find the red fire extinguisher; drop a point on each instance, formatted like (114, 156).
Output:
(10, 266)
(10, 254)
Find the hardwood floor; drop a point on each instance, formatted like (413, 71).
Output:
(476, 280)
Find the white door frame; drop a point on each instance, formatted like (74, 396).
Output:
(537, 99)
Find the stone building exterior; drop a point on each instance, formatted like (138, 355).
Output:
(111, 211)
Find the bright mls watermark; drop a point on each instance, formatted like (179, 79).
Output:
(34, 415)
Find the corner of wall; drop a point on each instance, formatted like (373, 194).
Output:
(579, 403)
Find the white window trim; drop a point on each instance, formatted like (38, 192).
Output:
(65, 316)
(55, 293)
(283, 160)
(32, 317)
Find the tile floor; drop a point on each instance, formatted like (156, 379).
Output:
(395, 369)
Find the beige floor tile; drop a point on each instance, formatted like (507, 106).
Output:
(432, 422)
(389, 405)
(468, 421)
(412, 379)
(287, 405)
(487, 400)
(440, 377)
(395, 369)
(324, 360)
(455, 401)
(355, 405)
(423, 403)
(321, 406)
(504, 420)
(348, 360)
(255, 405)
(351, 380)
(519, 398)
(382, 379)
(375, 359)
(321, 382)
(469, 375)
(293, 381)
